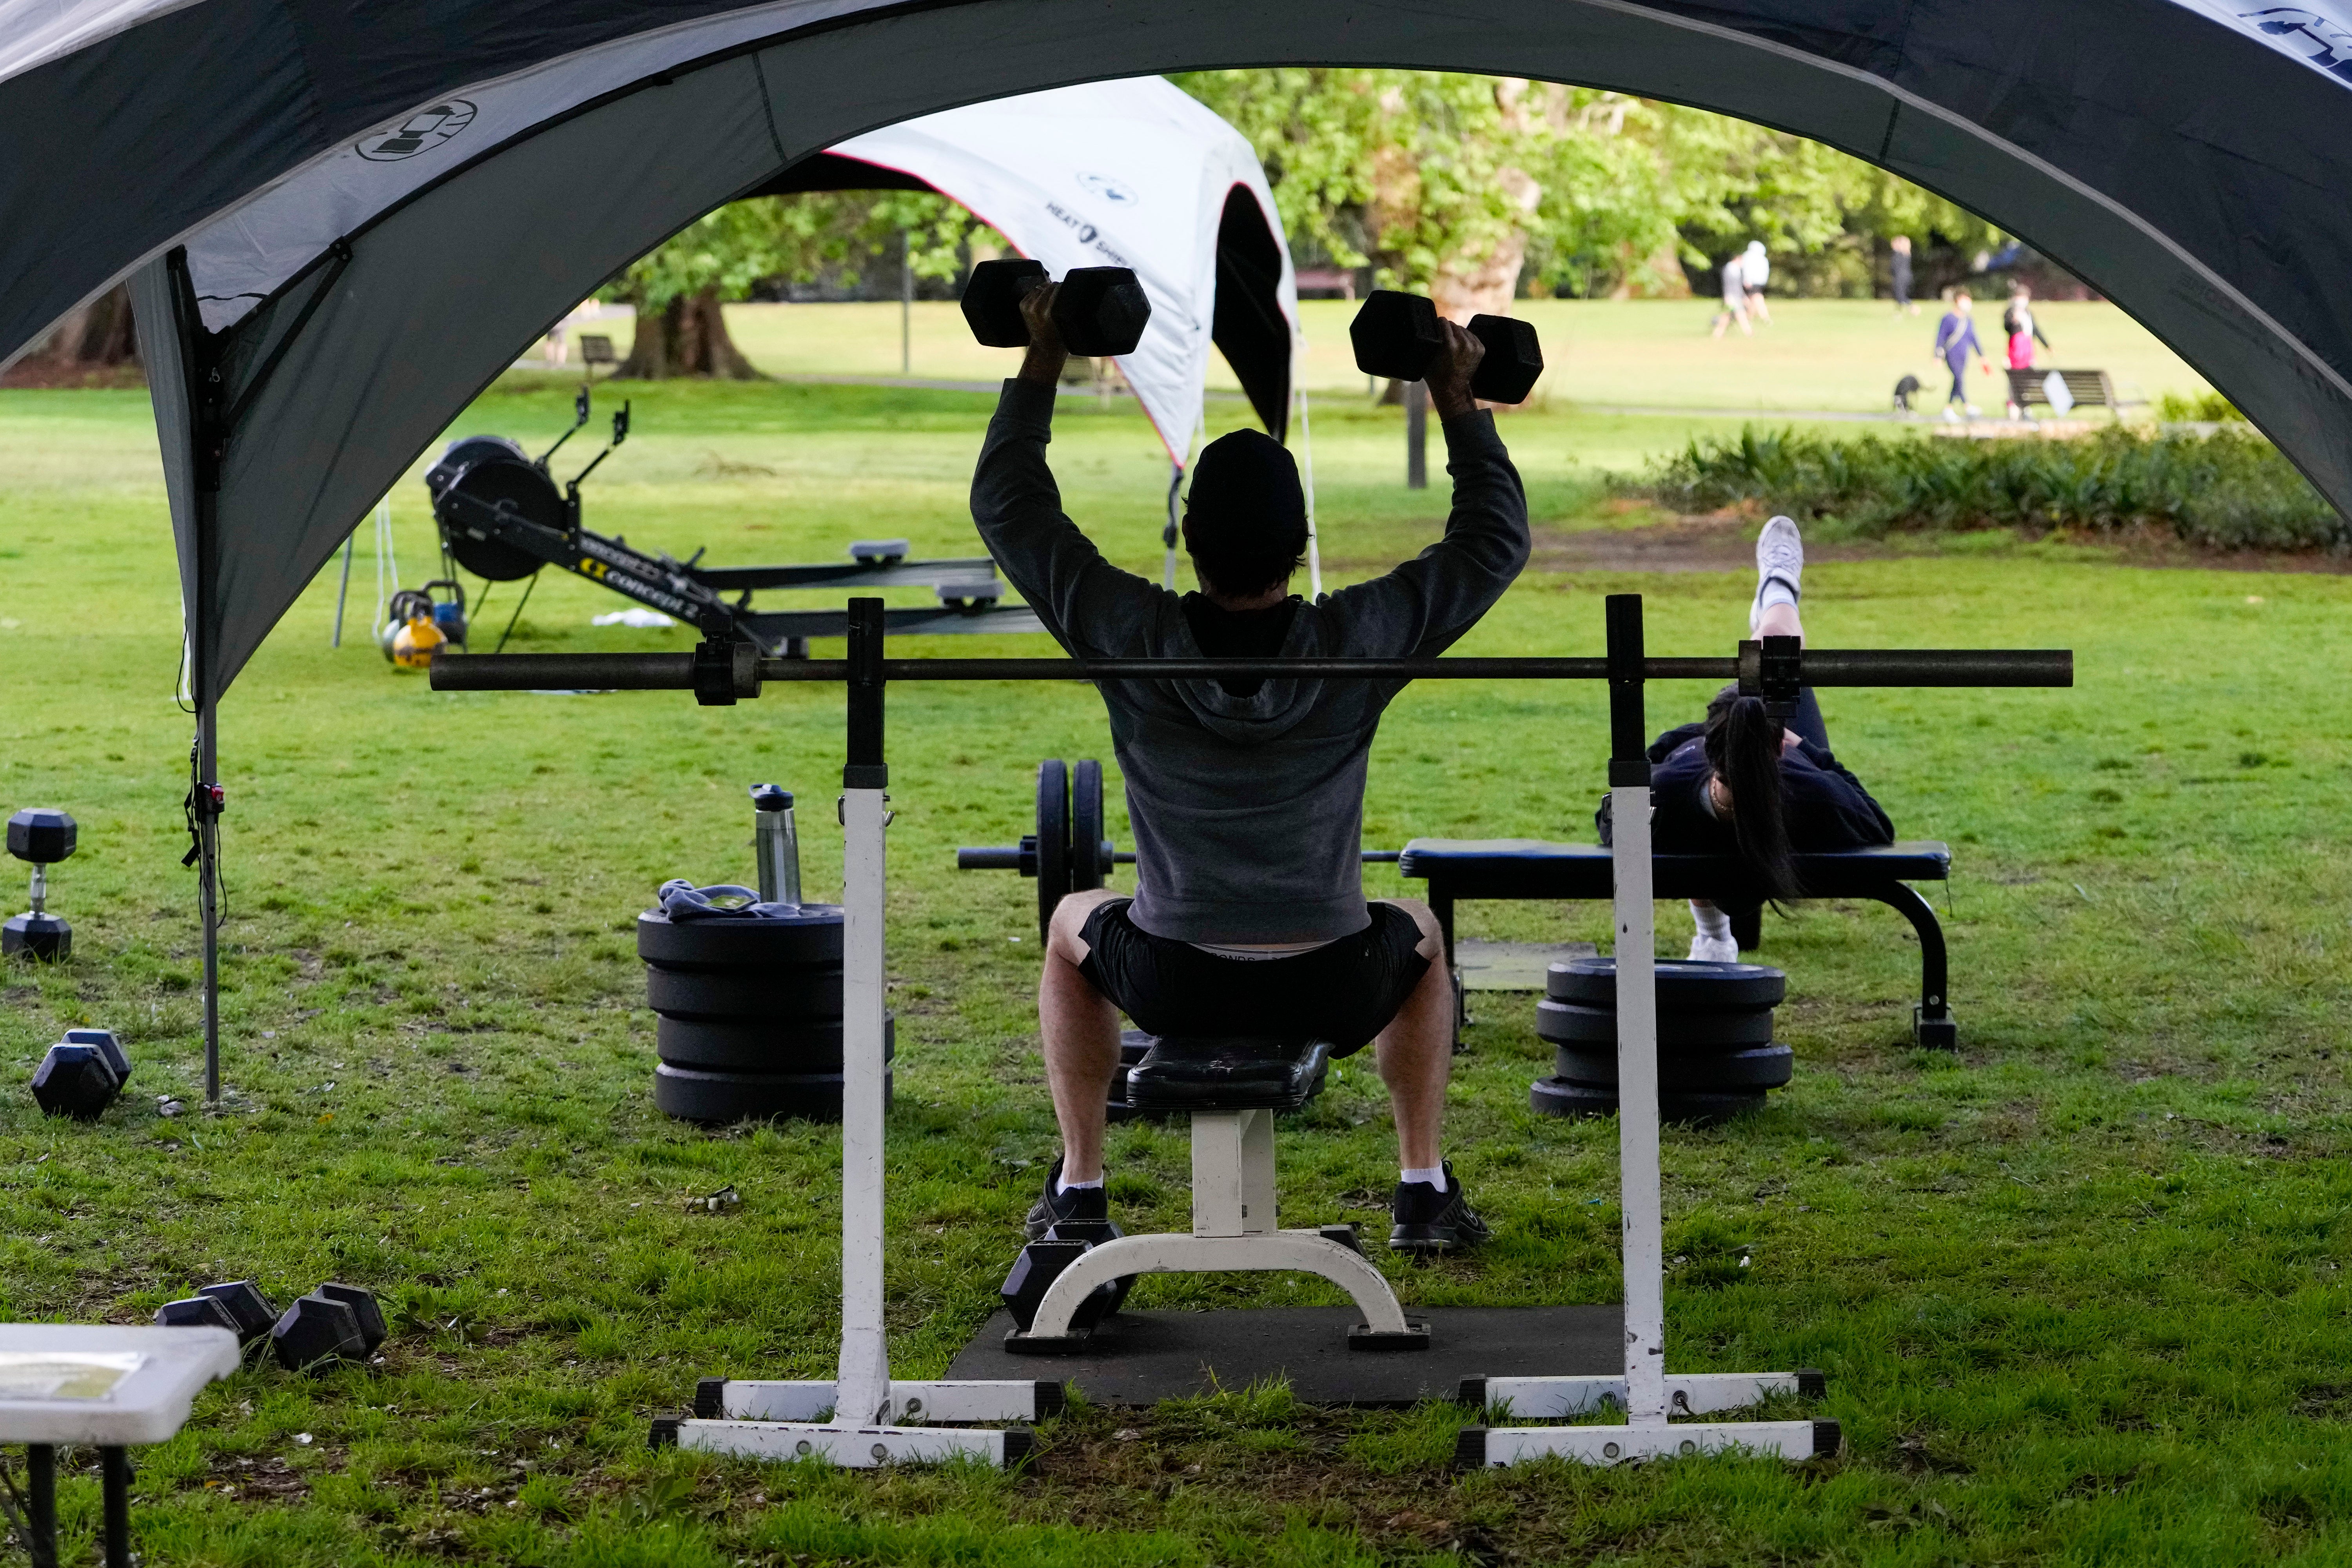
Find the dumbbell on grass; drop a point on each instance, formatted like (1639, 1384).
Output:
(1100, 310)
(236, 1305)
(44, 837)
(80, 1078)
(1397, 335)
(334, 1322)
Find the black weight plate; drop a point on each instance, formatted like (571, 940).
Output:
(808, 1046)
(1569, 1023)
(814, 937)
(1052, 839)
(747, 996)
(1088, 865)
(1758, 1067)
(1685, 985)
(719, 1098)
(1558, 1097)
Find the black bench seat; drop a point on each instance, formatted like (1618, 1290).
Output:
(1458, 869)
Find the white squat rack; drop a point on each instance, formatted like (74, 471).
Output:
(863, 1417)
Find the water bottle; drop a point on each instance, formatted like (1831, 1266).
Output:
(776, 843)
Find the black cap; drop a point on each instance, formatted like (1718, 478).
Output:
(771, 797)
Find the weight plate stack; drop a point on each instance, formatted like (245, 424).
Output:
(1716, 1056)
(749, 1015)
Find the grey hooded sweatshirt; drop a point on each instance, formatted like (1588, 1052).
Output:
(1248, 811)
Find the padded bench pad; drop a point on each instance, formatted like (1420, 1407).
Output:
(1535, 868)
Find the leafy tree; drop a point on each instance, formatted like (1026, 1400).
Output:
(679, 289)
(1471, 186)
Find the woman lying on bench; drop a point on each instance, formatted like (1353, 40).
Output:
(1741, 782)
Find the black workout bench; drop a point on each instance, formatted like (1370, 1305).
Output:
(1457, 868)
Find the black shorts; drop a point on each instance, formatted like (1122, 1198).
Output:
(1344, 992)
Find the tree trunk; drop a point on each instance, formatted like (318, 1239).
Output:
(686, 337)
(94, 346)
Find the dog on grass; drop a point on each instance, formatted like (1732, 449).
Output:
(1905, 391)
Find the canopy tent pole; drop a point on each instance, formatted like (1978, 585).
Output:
(190, 395)
(1314, 549)
(343, 592)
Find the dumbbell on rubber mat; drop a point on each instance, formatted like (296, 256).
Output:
(1730, 1072)
(719, 1099)
(814, 938)
(1685, 985)
(1397, 335)
(811, 1045)
(1558, 1097)
(1098, 311)
(1041, 1263)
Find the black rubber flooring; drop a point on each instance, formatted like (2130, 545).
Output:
(1142, 1357)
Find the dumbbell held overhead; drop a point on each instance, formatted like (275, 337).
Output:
(1098, 311)
(1398, 335)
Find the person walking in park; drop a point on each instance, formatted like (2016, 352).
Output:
(1956, 339)
(1246, 796)
(1735, 299)
(1755, 271)
(1901, 265)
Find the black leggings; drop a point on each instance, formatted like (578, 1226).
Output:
(1807, 720)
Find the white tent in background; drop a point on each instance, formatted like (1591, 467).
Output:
(1134, 172)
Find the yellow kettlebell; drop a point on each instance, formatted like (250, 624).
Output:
(414, 646)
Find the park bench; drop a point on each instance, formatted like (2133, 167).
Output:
(2084, 389)
(1458, 869)
(595, 349)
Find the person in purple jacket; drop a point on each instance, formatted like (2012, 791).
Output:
(1956, 339)
(1741, 782)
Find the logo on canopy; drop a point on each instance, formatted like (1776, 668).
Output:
(420, 132)
(2324, 43)
(1112, 191)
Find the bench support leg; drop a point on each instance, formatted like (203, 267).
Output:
(1304, 1251)
(1932, 1024)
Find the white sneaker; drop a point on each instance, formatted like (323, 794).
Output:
(1950, 415)
(1779, 553)
(1715, 950)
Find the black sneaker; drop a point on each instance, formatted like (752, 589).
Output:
(1057, 1207)
(1430, 1221)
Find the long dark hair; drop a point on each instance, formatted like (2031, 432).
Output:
(1743, 747)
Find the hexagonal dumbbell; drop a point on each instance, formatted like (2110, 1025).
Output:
(315, 1330)
(196, 1312)
(43, 836)
(248, 1308)
(1100, 310)
(363, 1307)
(1397, 335)
(75, 1081)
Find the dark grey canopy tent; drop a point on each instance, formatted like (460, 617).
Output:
(341, 222)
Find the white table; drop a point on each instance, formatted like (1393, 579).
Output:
(105, 1387)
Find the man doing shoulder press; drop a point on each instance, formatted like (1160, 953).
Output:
(1247, 797)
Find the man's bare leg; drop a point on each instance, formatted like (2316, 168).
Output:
(1080, 1028)
(1415, 1052)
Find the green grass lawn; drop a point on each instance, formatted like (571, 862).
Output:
(1817, 355)
(2079, 1291)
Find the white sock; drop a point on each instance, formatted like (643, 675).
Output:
(1775, 591)
(1061, 1187)
(1429, 1177)
(1712, 922)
